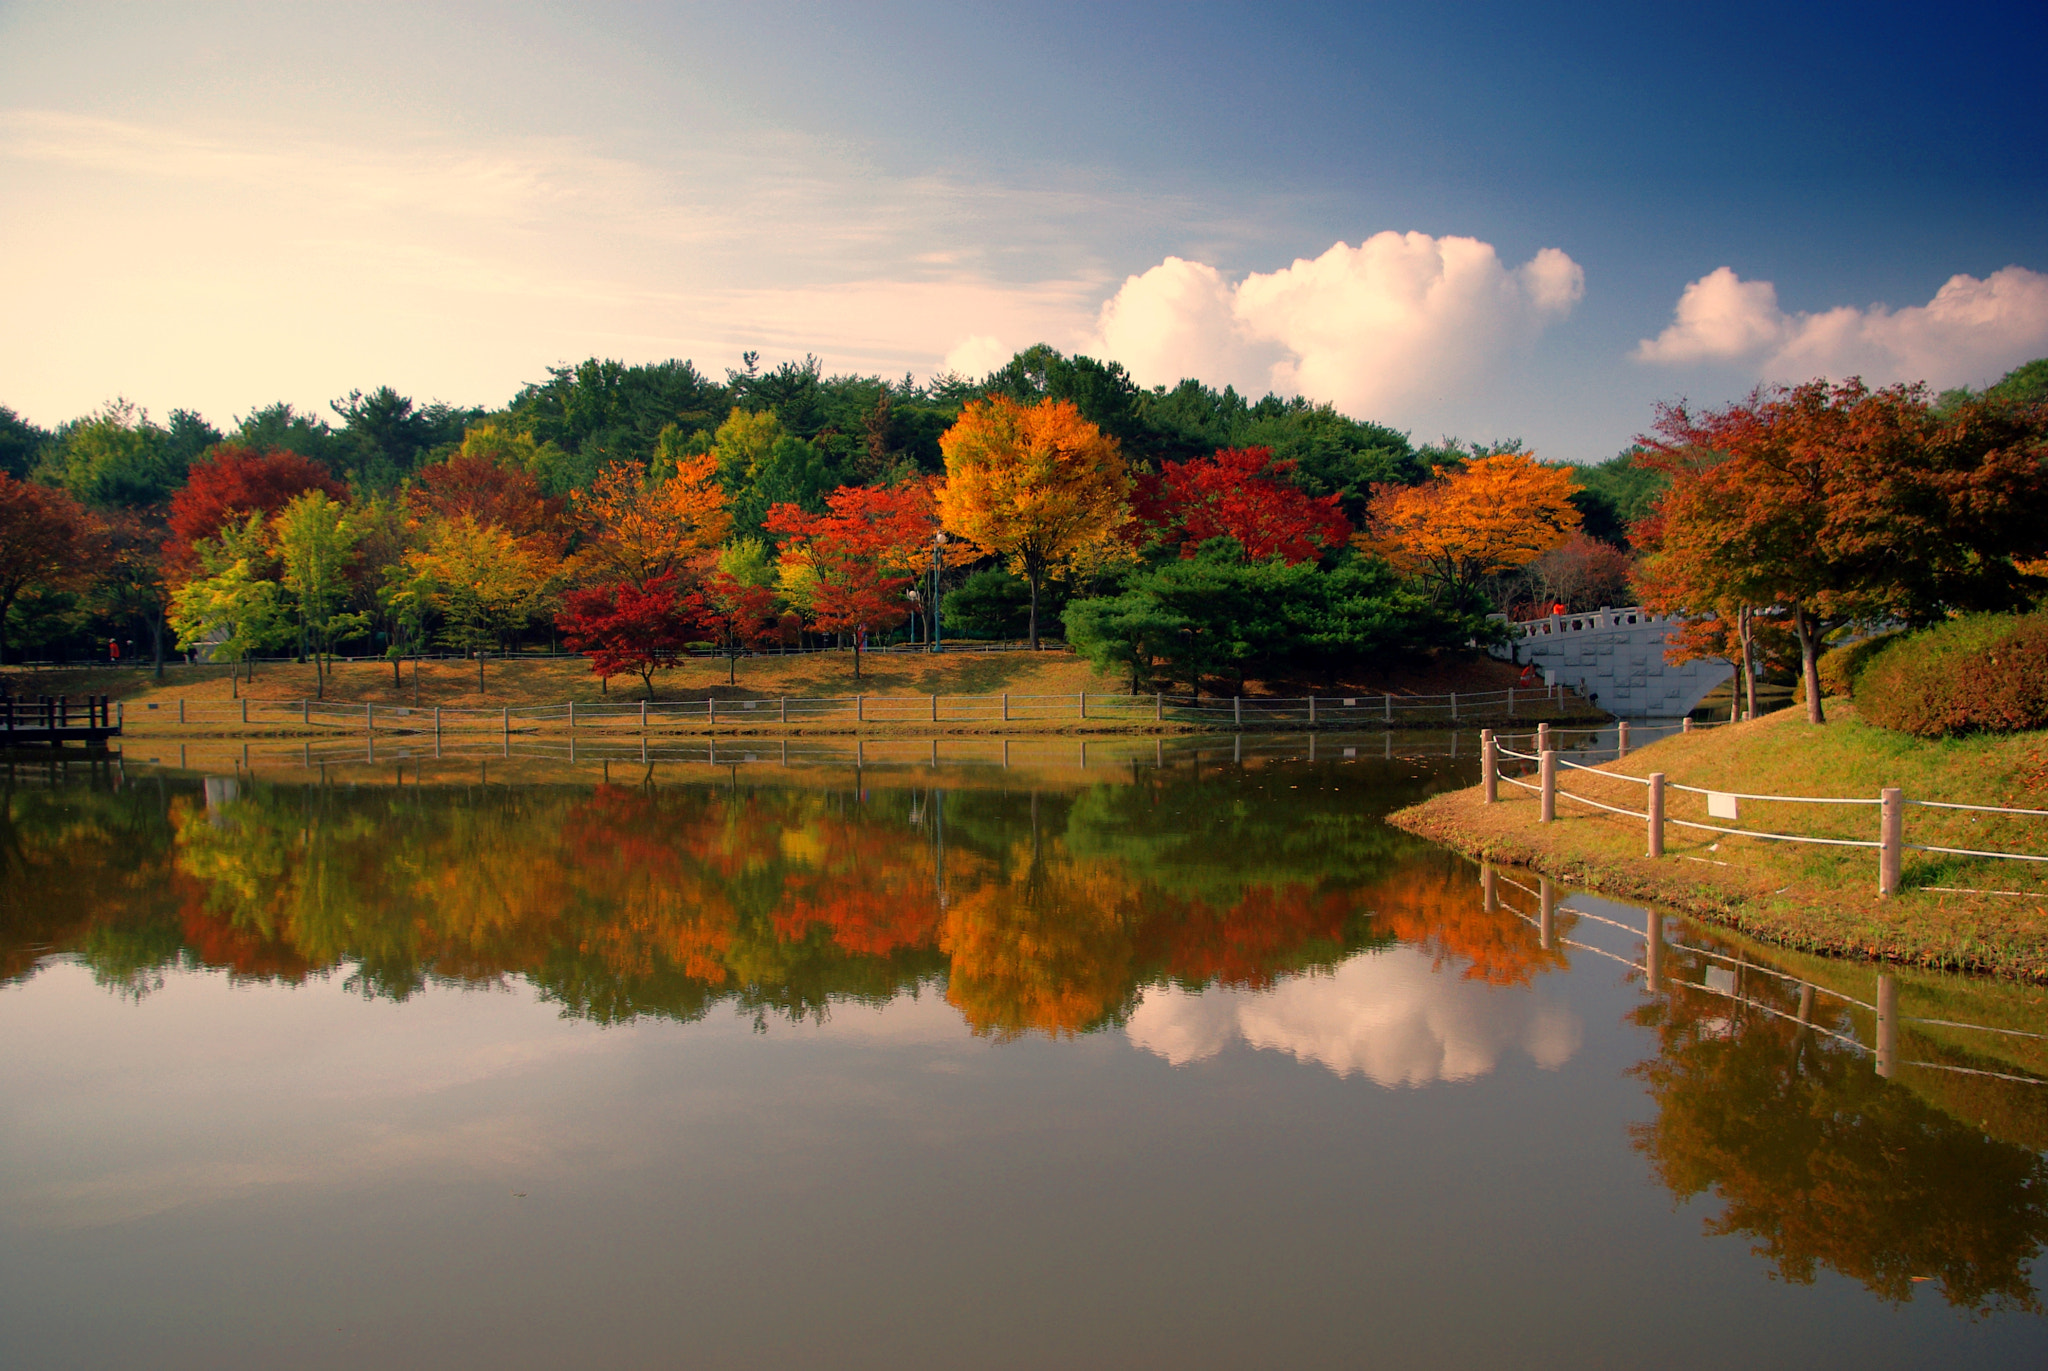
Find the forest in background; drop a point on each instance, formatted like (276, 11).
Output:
(794, 438)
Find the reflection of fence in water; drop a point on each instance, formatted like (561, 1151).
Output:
(951, 751)
(1724, 979)
(1317, 711)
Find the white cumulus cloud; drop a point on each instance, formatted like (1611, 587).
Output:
(1393, 1017)
(1377, 328)
(1971, 331)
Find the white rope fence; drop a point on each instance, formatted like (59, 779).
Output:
(1891, 803)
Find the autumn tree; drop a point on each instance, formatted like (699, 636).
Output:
(230, 483)
(637, 528)
(1241, 493)
(738, 615)
(1038, 484)
(843, 568)
(477, 482)
(1485, 516)
(483, 584)
(316, 542)
(232, 607)
(1829, 503)
(622, 627)
(47, 541)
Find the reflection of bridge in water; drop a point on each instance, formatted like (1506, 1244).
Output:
(1617, 655)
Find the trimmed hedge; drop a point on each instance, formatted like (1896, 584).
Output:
(1987, 673)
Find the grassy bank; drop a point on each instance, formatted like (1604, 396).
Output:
(522, 681)
(1821, 900)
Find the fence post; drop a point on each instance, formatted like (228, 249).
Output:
(1158, 707)
(935, 714)
(782, 710)
(1489, 891)
(1685, 724)
(1891, 839)
(1656, 813)
(305, 711)
(370, 721)
(1489, 771)
(1546, 916)
(1006, 719)
(1511, 702)
(1887, 1024)
(1624, 739)
(1454, 706)
(1311, 712)
(643, 716)
(1549, 769)
(437, 726)
(508, 725)
(860, 714)
(1543, 737)
(710, 709)
(1237, 710)
(181, 709)
(1653, 952)
(1387, 705)
(245, 709)
(1081, 698)
(572, 716)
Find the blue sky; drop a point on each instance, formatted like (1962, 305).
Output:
(1487, 220)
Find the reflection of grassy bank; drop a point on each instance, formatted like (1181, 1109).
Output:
(968, 762)
(1814, 899)
(2014, 1112)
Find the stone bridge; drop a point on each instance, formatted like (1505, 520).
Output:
(1617, 655)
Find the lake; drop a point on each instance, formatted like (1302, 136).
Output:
(952, 1054)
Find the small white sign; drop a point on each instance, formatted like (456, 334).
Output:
(1722, 979)
(1720, 806)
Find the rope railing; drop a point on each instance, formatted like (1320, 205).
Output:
(1890, 843)
(1828, 1023)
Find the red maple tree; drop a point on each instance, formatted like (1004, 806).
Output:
(1241, 493)
(627, 628)
(491, 494)
(737, 615)
(855, 555)
(230, 483)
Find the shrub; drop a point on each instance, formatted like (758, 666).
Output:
(1838, 667)
(1987, 673)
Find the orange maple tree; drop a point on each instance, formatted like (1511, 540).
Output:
(1489, 515)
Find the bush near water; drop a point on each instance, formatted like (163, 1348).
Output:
(1984, 673)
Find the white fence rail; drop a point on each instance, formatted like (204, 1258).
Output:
(1890, 842)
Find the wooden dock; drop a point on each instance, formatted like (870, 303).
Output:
(54, 720)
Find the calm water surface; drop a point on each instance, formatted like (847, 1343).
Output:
(1174, 1060)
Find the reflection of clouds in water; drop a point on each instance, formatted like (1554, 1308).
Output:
(1386, 1015)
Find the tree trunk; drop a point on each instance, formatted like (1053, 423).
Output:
(732, 665)
(1033, 572)
(1809, 662)
(1748, 624)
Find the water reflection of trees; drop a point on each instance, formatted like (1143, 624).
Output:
(1822, 1163)
(1037, 913)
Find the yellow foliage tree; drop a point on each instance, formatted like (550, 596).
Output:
(1039, 484)
(637, 527)
(1494, 514)
(484, 583)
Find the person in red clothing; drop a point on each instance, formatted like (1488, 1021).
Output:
(113, 649)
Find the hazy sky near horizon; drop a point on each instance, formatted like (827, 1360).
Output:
(1487, 220)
